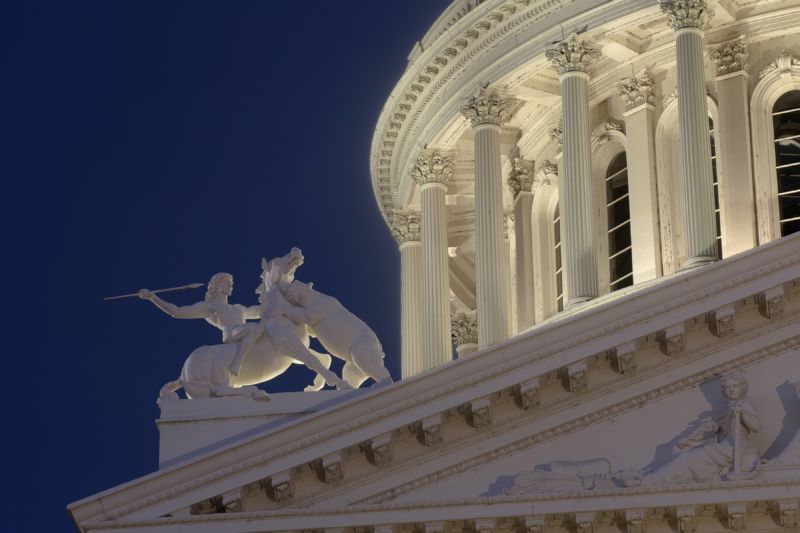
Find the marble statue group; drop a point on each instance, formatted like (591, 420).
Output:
(288, 313)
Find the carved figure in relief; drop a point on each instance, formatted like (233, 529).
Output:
(564, 476)
(342, 333)
(231, 319)
(717, 448)
(284, 340)
(791, 454)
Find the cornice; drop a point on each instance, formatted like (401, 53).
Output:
(696, 290)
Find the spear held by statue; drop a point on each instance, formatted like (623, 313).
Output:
(170, 289)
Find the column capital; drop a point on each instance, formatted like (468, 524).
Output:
(730, 56)
(520, 179)
(637, 90)
(572, 55)
(405, 226)
(489, 107)
(684, 14)
(464, 328)
(432, 167)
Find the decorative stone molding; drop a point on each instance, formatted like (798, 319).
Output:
(771, 302)
(736, 514)
(636, 520)
(383, 529)
(281, 487)
(464, 328)
(434, 527)
(520, 179)
(637, 90)
(787, 510)
(380, 449)
(432, 168)
(431, 430)
(489, 107)
(405, 226)
(624, 358)
(721, 320)
(783, 64)
(730, 56)
(573, 55)
(607, 129)
(686, 522)
(549, 171)
(527, 394)
(673, 340)
(577, 377)
(684, 14)
(534, 524)
(557, 133)
(332, 471)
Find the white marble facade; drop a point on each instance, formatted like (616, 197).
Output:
(670, 404)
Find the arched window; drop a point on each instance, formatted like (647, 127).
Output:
(620, 258)
(786, 126)
(715, 181)
(559, 270)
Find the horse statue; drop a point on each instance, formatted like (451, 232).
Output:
(284, 341)
(341, 333)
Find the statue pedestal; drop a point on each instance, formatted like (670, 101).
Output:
(189, 428)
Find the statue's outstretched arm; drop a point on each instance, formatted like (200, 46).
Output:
(197, 310)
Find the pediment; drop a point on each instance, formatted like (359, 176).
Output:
(619, 381)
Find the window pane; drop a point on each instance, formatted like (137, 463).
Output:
(786, 124)
(618, 213)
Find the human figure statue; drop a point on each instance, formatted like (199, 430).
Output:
(231, 319)
(791, 454)
(717, 447)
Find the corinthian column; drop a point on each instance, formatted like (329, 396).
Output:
(486, 112)
(432, 172)
(405, 229)
(687, 18)
(572, 59)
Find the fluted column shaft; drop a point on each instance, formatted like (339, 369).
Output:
(486, 112)
(572, 57)
(411, 350)
(435, 299)
(576, 202)
(432, 172)
(490, 265)
(687, 18)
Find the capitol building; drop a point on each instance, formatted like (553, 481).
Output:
(597, 209)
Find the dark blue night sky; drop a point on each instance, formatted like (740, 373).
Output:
(152, 144)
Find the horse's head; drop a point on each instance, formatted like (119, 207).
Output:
(299, 293)
(281, 269)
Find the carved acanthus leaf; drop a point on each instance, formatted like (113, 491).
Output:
(464, 328)
(432, 167)
(520, 179)
(572, 55)
(557, 133)
(405, 226)
(637, 90)
(783, 64)
(489, 107)
(730, 56)
(686, 13)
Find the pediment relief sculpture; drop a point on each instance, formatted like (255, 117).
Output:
(289, 312)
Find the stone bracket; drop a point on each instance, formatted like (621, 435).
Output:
(787, 509)
(673, 340)
(771, 302)
(534, 524)
(526, 394)
(380, 449)
(479, 413)
(577, 377)
(721, 320)
(624, 358)
(736, 514)
(281, 486)
(484, 525)
(636, 520)
(331, 467)
(686, 519)
(584, 522)
(430, 430)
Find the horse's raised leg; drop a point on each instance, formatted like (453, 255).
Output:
(353, 375)
(319, 381)
(249, 390)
